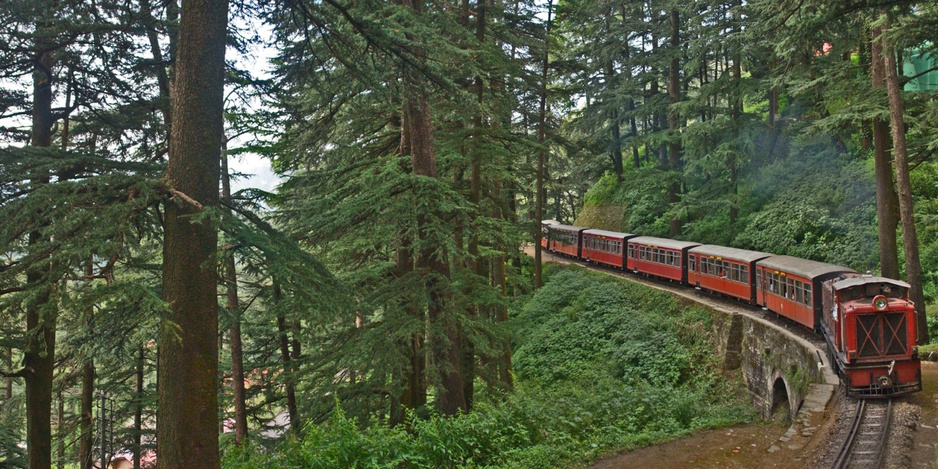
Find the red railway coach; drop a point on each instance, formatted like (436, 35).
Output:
(564, 239)
(869, 324)
(605, 247)
(545, 232)
(729, 271)
(660, 257)
(791, 287)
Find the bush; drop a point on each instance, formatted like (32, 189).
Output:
(602, 365)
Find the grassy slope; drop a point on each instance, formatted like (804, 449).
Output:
(601, 365)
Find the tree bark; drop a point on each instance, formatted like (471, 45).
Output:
(886, 199)
(60, 426)
(913, 266)
(138, 408)
(39, 354)
(86, 424)
(541, 155)
(233, 307)
(445, 335)
(674, 144)
(288, 368)
(414, 387)
(187, 417)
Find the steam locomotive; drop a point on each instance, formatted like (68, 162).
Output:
(868, 322)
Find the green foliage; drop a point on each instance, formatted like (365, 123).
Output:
(816, 206)
(601, 364)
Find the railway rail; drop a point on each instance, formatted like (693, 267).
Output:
(865, 442)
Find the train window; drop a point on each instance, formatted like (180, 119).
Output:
(632, 251)
(807, 294)
(744, 273)
(791, 289)
(799, 292)
(692, 263)
(758, 281)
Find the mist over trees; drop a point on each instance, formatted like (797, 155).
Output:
(147, 309)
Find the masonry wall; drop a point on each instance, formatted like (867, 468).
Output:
(778, 366)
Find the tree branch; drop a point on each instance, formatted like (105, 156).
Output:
(189, 200)
(17, 374)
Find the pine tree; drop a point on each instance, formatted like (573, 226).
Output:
(186, 423)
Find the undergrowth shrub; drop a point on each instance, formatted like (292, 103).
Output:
(601, 365)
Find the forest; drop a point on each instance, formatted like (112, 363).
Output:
(376, 308)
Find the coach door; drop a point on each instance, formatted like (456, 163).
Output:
(760, 286)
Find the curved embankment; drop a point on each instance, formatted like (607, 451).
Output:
(785, 367)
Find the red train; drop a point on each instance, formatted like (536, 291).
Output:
(868, 322)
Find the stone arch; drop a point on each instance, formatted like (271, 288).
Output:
(781, 399)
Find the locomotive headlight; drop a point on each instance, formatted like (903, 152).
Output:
(880, 303)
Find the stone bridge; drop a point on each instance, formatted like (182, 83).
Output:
(783, 371)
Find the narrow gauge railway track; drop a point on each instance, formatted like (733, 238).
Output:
(865, 442)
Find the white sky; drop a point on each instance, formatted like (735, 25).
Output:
(257, 170)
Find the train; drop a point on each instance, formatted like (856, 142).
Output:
(868, 322)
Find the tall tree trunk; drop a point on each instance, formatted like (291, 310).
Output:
(60, 426)
(445, 341)
(886, 200)
(86, 440)
(733, 161)
(615, 148)
(445, 333)
(414, 394)
(913, 266)
(539, 196)
(234, 309)
(39, 354)
(86, 422)
(138, 408)
(674, 144)
(288, 367)
(162, 76)
(187, 417)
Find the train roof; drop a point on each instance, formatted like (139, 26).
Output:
(558, 226)
(730, 253)
(663, 242)
(550, 222)
(610, 234)
(866, 280)
(803, 267)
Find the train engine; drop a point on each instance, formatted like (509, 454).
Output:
(869, 325)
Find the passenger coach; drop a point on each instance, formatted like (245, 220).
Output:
(660, 257)
(605, 247)
(791, 287)
(729, 271)
(564, 239)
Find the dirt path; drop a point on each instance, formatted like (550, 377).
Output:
(759, 446)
